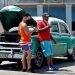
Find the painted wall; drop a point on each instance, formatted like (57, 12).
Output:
(31, 9)
(73, 18)
(56, 11)
(73, 13)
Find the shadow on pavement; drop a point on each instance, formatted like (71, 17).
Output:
(12, 67)
(59, 63)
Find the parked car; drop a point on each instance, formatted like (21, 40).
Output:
(65, 46)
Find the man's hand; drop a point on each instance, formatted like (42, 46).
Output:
(35, 29)
(32, 30)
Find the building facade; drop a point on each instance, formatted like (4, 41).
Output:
(63, 9)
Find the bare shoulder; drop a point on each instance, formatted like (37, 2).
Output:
(24, 25)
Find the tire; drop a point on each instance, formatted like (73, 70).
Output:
(39, 60)
(72, 56)
(0, 61)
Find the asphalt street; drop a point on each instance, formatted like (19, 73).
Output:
(65, 68)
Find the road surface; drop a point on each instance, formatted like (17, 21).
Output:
(65, 68)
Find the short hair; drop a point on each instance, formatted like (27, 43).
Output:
(26, 14)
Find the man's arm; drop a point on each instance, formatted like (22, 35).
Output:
(34, 29)
(27, 31)
(19, 32)
(41, 29)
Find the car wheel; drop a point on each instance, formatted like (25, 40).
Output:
(0, 61)
(72, 56)
(38, 61)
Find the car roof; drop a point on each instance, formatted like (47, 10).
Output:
(51, 19)
(38, 18)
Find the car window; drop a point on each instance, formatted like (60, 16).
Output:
(54, 27)
(63, 28)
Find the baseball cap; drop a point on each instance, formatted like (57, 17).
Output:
(45, 14)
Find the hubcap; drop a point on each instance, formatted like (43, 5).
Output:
(39, 59)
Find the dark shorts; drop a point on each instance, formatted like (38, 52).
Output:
(27, 47)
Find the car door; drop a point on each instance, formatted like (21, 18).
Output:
(58, 47)
(64, 33)
(55, 30)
